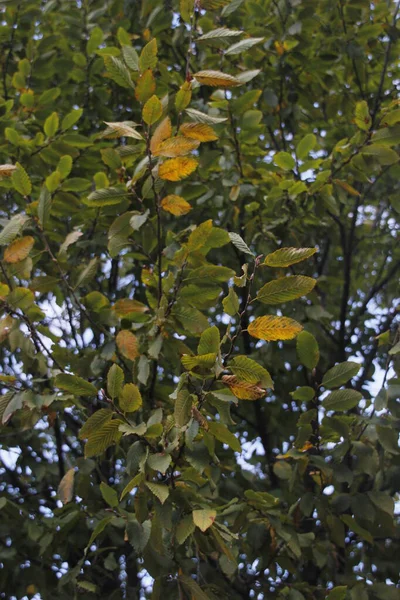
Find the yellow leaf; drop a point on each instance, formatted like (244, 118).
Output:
(146, 86)
(273, 328)
(204, 518)
(198, 131)
(176, 169)
(216, 79)
(66, 487)
(161, 133)
(176, 146)
(127, 344)
(175, 205)
(7, 170)
(242, 389)
(152, 110)
(19, 249)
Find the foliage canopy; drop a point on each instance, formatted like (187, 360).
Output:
(198, 294)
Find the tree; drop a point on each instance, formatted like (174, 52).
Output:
(198, 289)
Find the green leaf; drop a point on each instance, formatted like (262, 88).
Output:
(249, 370)
(148, 56)
(102, 438)
(284, 160)
(130, 398)
(139, 534)
(11, 229)
(303, 394)
(305, 146)
(71, 118)
(205, 361)
(20, 298)
(64, 166)
(87, 273)
(240, 244)
(185, 528)
(209, 341)
(183, 407)
(340, 374)
(307, 349)
(110, 496)
(106, 197)
(338, 593)
(118, 72)
(362, 117)
(159, 490)
(222, 434)
(231, 303)
(51, 125)
(95, 421)
(204, 518)
(384, 155)
(243, 45)
(356, 528)
(285, 257)
(159, 462)
(193, 587)
(341, 400)
(152, 110)
(21, 181)
(100, 527)
(219, 34)
(75, 385)
(285, 289)
(115, 381)
(131, 57)
(131, 485)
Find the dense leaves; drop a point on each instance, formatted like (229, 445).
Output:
(199, 344)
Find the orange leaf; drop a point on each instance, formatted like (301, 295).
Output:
(161, 133)
(125, 307)
(19, 249)
(128, 344)
(273, 328)
(176, 146)
(175, 205)
(7, 170)
(175, 169)
(242, 389)
(198, 131)
(216, 79)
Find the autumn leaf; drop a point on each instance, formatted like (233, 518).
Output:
(127, 344)
(198, 131)
(162, 132)
(125, 307)
(176, 146)
(175, 205)
(7, 170)
(216, 79)
(242, 389)
(176, 169)
(272, 328)
(19, 249)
